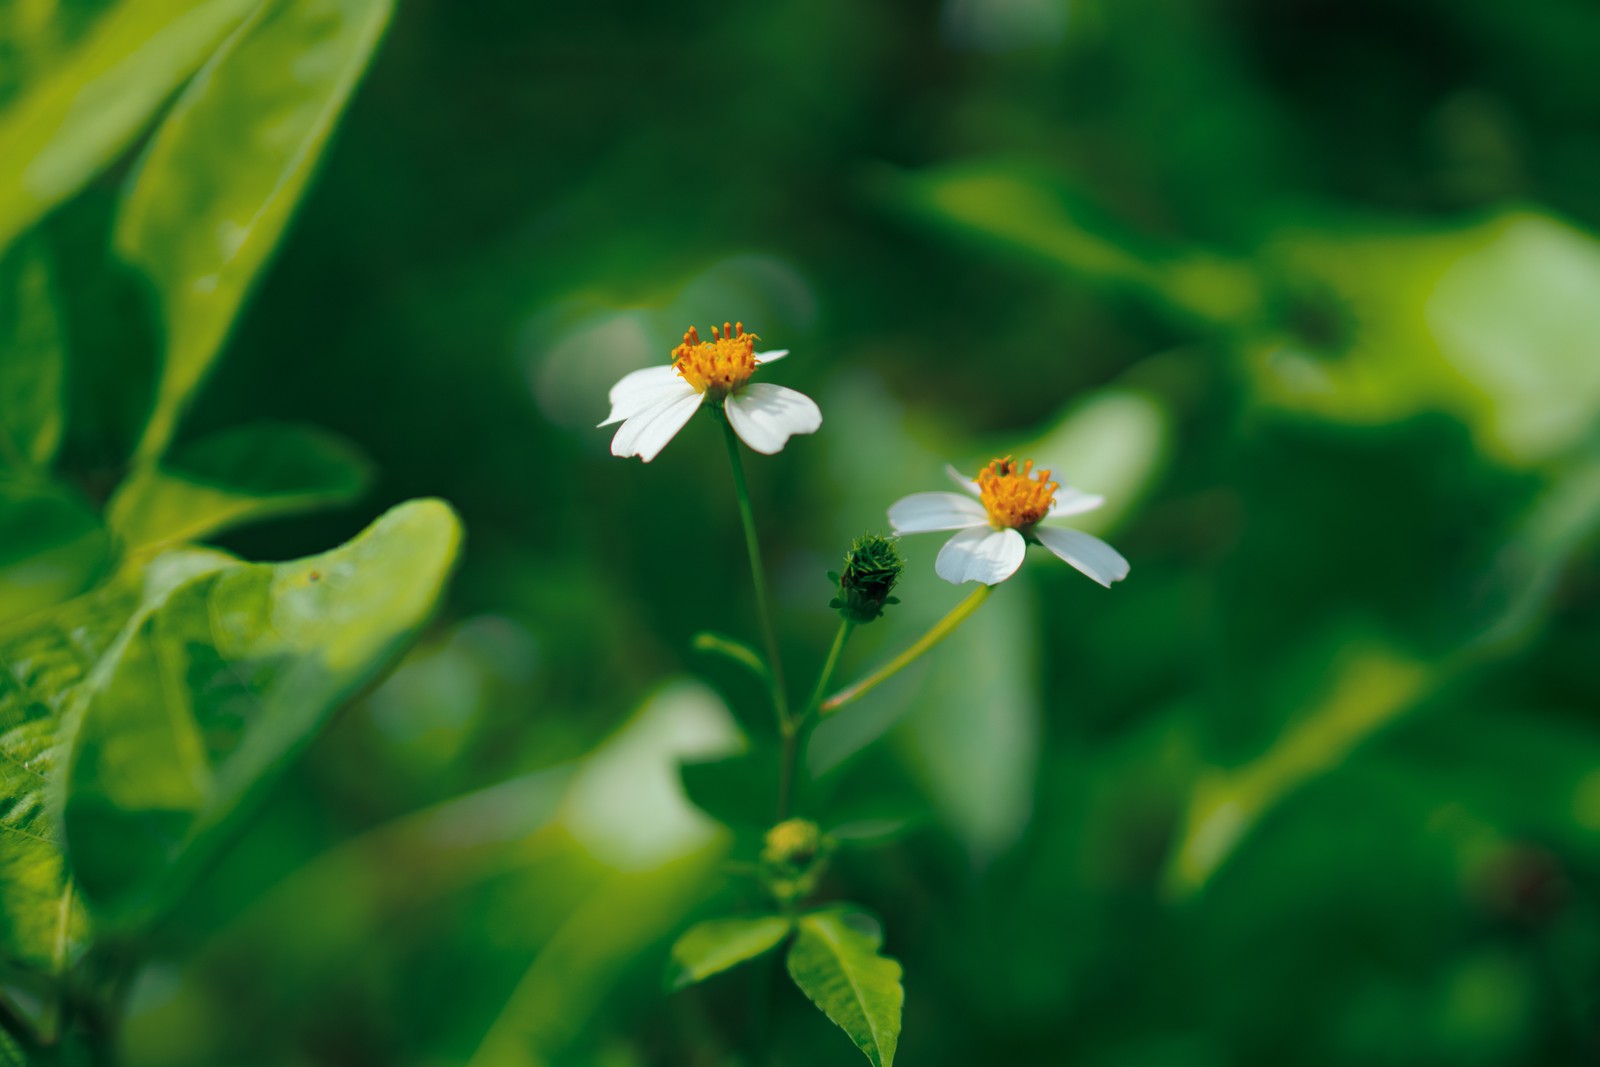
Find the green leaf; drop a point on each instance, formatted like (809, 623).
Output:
(735, 651)
(32, 358)
(234, 477)
(52, 547)
(835, 962)
(738, 790)
(67, 125)
(218, 183)
(44, 661)
(212, 693)
(712, 947)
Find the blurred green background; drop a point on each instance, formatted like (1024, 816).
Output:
(1310, 290)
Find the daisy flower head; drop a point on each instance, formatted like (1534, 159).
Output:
(653, 404)
(1004, 510)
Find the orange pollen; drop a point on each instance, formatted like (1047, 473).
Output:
(1013, 498)
(722, 364)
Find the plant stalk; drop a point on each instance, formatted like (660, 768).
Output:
(940, 630)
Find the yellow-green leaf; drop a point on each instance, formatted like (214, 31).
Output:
(835, 962)
(68, 124)
(212, 693)
(238, 476)
(217, 185)
(713, 946)
(32, 359)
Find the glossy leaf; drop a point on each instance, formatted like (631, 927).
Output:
(32, 359)
(835, 962)
(67, 125)
(216, 188)
(44, 661)
(52, 547)
(217, 689)
(234, 477)
(714, 946)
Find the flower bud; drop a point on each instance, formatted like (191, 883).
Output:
(871, 569)
(793, 859)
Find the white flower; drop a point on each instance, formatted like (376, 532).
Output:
(1005, 511)
(655, 403)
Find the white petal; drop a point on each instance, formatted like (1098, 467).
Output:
(969, 484)
(1084, 551)
(922, 512)
(765, 415)
(763, 358)
(647, 433)
(644, 389)
(1070, 501)
(981, 555)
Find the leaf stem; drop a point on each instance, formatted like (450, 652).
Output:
(780, 701)
(940, 630)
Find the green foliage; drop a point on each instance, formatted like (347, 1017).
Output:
(65, 124)
(32, 359)
(49, 661)
(835, 961)
(237, 476)
(216, 187)
(160, 774)
(715, 945)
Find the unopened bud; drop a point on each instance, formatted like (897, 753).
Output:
(871, 569)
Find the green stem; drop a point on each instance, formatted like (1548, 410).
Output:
(942, 629)
(780, 700)
(846, 628)
(791, 737)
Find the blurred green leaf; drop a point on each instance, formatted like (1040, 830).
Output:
(237, 476)
(222, 685)
(735, 651)
(67, 125)
(1488, 319)
(32, 358)
(739, 791)
(52, 547)
(714, 946)
(215, 190)
(1372, 687)
(1029, 211)
(835, 961)
(46, 659)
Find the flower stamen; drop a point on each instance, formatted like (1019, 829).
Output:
(720, 365)
(1015, 497)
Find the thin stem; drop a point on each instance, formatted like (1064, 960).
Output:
(846, 628)
(941, 629)
(780, 700)
(791, 737)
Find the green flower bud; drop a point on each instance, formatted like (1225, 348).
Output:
(793, 858)
(871, 569)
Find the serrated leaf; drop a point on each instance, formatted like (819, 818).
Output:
(716, 945)
(835, 961)
(67, 125)
(216, 690)
(238, 476)
(52, 547)
(32, 359)
(44, 661)
(215, 190)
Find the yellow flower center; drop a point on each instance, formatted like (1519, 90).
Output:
(1013, 498)
(723, 363)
